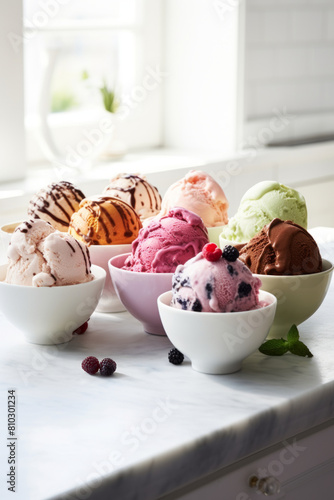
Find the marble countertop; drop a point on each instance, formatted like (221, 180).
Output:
(152, 427)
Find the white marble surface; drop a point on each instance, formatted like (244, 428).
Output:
(152, 426)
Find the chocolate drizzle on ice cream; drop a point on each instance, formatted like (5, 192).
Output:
(56, 204)
(105, 221)
(137, 192)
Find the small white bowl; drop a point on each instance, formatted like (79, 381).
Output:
(298, 297)
(49, 315)
(100, 255)
(139, 292)
(217, 343)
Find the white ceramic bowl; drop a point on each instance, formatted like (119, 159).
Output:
(217, 343)
(49, 315)
(298, 297)
(100, 255)
(139, 292)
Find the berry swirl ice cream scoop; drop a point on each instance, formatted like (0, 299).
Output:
(215, 281)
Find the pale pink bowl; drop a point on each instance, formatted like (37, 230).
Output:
(139, 292)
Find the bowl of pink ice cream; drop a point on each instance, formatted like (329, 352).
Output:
(48, 288)
(216, 313)
(141, 276)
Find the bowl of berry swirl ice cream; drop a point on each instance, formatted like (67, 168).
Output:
(216, 313)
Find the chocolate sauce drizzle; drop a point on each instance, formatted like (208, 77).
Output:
(152, 192)
(63, 191)
(105, 219)
(85, 254)
(25, 226)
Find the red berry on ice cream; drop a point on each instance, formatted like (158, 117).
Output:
(91, 365)
(211, 252)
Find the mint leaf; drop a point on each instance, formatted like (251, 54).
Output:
(300, 349)
(274, 347)
(293, 334)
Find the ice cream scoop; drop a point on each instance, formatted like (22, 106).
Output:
(137, 192)
(282, 248)
(39, 255)
(167, 242)
(219, 285)
(261, 204)
(56, 204)
(199, 193)
(105, 221)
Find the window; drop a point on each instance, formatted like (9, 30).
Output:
(172, 63)
(73, 49)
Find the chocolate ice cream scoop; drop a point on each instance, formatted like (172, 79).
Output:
(282, 248)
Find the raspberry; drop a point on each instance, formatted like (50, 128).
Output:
(81, 329)
(175, 357)
(91, 365)
(230, 253)
(107, 367)
(211, 252)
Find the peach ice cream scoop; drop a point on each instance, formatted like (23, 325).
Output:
(105, 221)
(40, 256)
(199, 193)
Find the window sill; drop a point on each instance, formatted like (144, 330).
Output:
(297, 166)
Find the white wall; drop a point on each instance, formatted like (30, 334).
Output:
(200, 104)
(289, 63)
(12, 157)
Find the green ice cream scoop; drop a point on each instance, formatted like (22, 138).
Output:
(260, 205)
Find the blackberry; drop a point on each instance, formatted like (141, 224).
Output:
(230, 269)
(244, 289)
(230, 253)
(175, 356)
(197, 306)
(209, 290)
(91, 365)
(107, 367)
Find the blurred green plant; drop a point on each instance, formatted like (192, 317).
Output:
(109, 98)
(61, 100)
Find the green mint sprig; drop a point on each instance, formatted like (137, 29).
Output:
(278, 347)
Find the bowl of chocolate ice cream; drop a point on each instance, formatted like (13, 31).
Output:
(287, 259)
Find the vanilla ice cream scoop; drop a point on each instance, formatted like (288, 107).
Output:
(56, 204)
(38, 255)
(137, 192)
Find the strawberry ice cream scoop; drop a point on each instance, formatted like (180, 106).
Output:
(38, 255)
(167, 242)
(219, 284)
